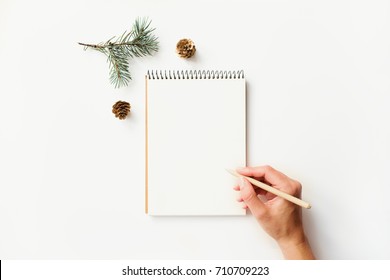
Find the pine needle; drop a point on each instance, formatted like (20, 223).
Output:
(139, 41)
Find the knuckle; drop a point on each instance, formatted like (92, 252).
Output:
(249, 196)
(267, 168)
(297, 187)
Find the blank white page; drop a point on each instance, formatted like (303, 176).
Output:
(196, 128)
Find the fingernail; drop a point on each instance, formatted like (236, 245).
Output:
(240, 169)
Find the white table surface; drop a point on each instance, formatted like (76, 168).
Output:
(72, 175)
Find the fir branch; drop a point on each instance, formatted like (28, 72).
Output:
(139, 41)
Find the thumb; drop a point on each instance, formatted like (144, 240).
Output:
(250, 198)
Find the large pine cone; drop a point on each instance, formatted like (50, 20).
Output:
(121, 109)
(185, 48)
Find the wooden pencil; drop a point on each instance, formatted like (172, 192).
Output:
(272, 190)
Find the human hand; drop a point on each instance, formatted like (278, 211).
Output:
(281, 219)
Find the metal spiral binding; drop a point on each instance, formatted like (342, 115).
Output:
(194, 74)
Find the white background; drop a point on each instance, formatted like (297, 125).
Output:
(72, 175)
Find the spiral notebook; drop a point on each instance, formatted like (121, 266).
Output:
(195, 129)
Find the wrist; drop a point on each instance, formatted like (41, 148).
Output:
(296, 247)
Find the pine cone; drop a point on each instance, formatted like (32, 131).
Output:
(121, 109)
(185, 48)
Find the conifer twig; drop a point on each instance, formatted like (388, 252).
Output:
(139, 41)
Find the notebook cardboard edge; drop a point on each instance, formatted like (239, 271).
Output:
(146, 146)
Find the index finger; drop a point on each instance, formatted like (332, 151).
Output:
(269, 174)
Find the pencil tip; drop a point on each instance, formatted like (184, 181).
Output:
(231, 171)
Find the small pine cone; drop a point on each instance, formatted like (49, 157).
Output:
(121, 109)
(185, 48)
